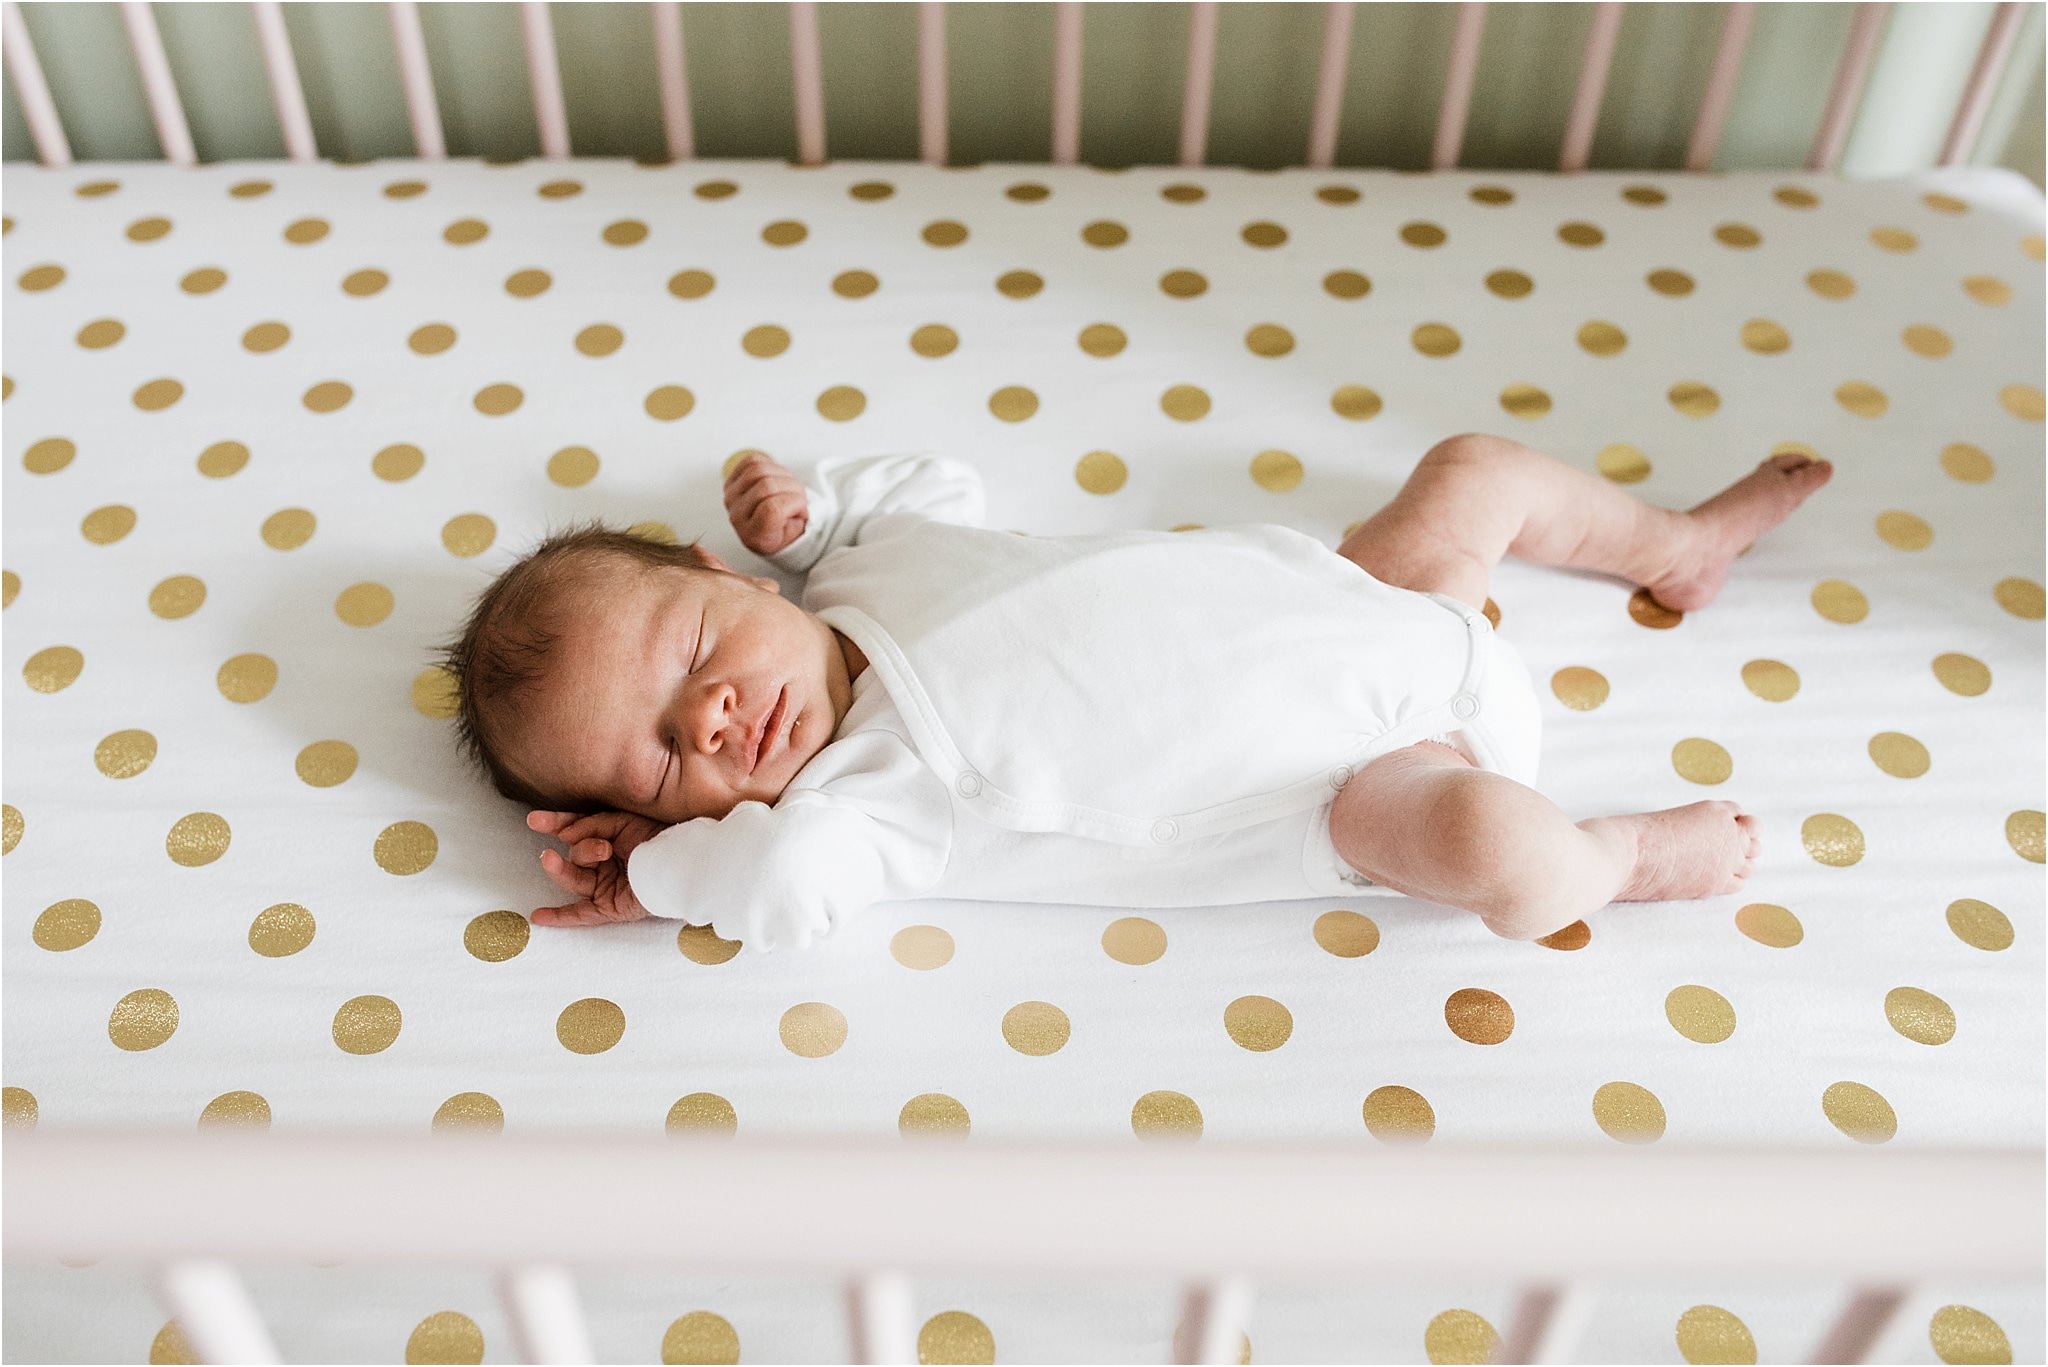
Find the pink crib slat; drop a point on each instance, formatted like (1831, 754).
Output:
(545, 71)
(881, 1319)
(1863, 1320)
(547, 1317)
(931, 82)
(1847, 93)
(1322, 135)
(1713, 116)
(1976, 101)
(1066, 83)
(428, 144)
(675, 90)
(1457, 103)
(810, 82)
(44, 127)
(285, 91)
(1201, 77)
(1599, 60)
(172, 133)
(1213, 1317)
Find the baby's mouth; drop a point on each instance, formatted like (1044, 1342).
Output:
(769, 724)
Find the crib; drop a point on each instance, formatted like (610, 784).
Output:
(287, 1076)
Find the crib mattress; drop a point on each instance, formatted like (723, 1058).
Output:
(269, 428)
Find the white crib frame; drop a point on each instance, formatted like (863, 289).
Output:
(1215, 1215)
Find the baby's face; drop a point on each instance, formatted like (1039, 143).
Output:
(660, 685)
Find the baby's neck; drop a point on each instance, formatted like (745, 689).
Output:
(855, 660)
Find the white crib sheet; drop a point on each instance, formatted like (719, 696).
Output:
(269, 428)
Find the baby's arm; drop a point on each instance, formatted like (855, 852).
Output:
(795, 522)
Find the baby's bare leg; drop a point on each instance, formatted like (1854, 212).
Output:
(1423, 821)
(1474, 498)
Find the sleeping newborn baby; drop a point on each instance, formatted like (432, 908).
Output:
(1131, 719)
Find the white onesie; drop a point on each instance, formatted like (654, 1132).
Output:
(1130, 719)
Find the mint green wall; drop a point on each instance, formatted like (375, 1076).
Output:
(1000, 70)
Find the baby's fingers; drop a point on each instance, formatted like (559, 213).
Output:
(571, 914)
(589, 852)
(569, 877)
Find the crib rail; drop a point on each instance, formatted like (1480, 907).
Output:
(1218, 1216)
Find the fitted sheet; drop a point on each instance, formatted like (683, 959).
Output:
(268, 429)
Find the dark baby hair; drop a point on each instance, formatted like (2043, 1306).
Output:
(503, 650)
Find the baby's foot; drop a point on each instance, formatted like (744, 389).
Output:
(1699, 850)
(1730, 522)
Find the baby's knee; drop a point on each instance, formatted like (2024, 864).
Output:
(1513, 846)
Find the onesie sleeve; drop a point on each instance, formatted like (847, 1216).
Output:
(874, 826)
(849, 492)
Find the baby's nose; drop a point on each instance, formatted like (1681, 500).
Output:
(716, 719)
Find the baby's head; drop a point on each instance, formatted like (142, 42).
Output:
(609, 671)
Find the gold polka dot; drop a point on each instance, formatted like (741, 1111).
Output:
(1860, 1112)
(1602, 338)
(10, 585)
(1737, 235)
(143, 1019)
(306, 231)
(1840, 601)
(1525, 401)
(124, 754)
(236, 1111)
(813, 1029)
(653, 530)
(6, 387)
(1699, 760)
(1647, 611)
(1628, 1113)
(841, 403)
(1894, 239)
(702, 1337)
(1347, 285)
(1832, 839)
(1699, 1013)
(1269, 339)
(1460, 1336)
(158, 395)
(1904, 530)
(169, 1345)
(470, 1111)
(434, 693)
(17, 1108)
(572, 467)
(405, 189)
(431, 339)
(1185, 403)
(933, 1115)
(599, 339)
(1013, 403)
(496, 400)
(934, 340)
(197, 838)
(2024, 402)
(328, 396)
(397, 463)
(178, 596)
(1036, 1028)
(560, 189)
(1898, 754)
(669, 402)
(1436, 339)
(325, 763)
(1795, 197)
(1961, 1333)
(105, 526)
(861, 284)
(1355, 401)
(787, 233)
(626, 232)
(222, 459)
(701, 1113)
(1166, 1115)
(247, 678)
(954, 1336)
(1924, 339)
(1399, 1115)
(281, 930)
(53, 669)
(1988, 289)
(101, 333)
(1100, 472)
(1579, 688)
(41, 277)
(691, 284)
(464, 231)
(1492, 194)
(1771, 680)
(49, 455)
(590, 1026)
(528, 284)
(1707, 1333)
(1672, 283)
(1259, 1024)
(496, 936)
(1478, 1016)
(2034, 245)
(1769, 924)
(1134, 940)
(1580, 235)
(1962, 461)
(1421, 234)
(2025, 832)
(67, 924)
(12, 825)
(2020, 597)
(922, 947)
(1920, 1015)
(1765, 337)
(1694, 399)
(445, 1336)
(1830, 284)
(406, 847)
(1863, 399)
(1962, 674)
(288, 528)
(93, 189)
(1276, 471)
(1979, 924)
(1346, 934)
(364, 605)
(366, 1025)
(364, 283)
(468, 534)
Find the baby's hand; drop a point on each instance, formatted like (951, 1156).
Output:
(766, 504)
(596, 867)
